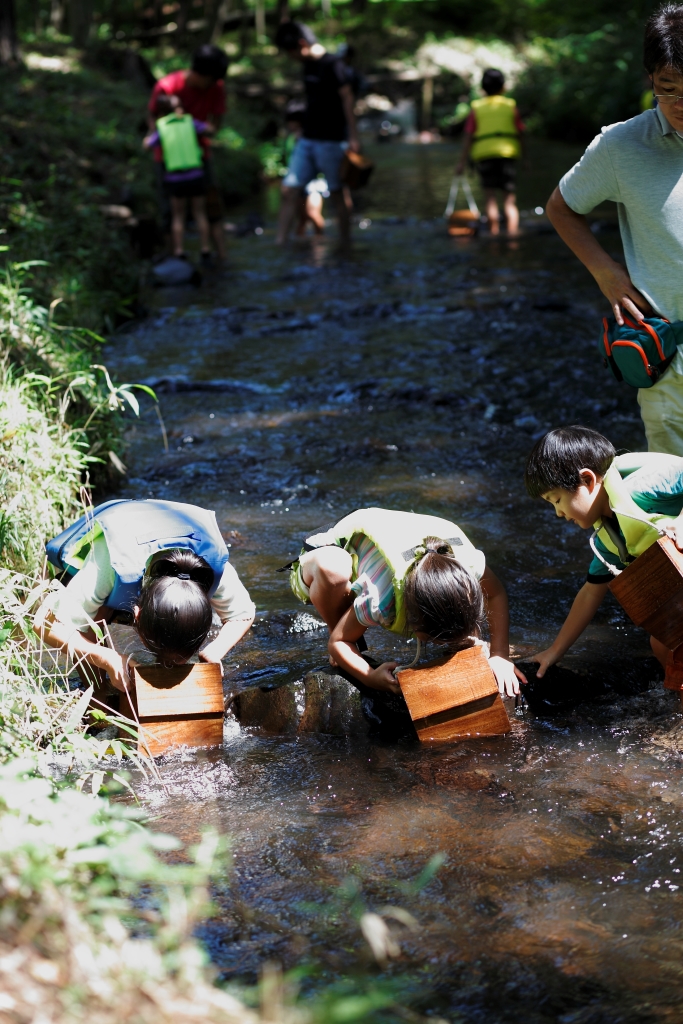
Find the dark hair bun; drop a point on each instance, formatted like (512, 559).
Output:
(175, 610)
(185, 566)
(437, 546)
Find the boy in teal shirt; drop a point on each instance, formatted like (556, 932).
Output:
(627, 500)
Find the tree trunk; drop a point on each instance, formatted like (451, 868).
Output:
(260, 21)
(9, 48)
(221, 16)
(80, 19)
(57, 15)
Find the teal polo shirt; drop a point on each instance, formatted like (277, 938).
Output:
(655, 482)
(638, 164)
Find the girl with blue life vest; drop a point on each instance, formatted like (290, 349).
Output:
(178, 140)
(409, 573)
(493, 142)
(626, 500)
(163, 562)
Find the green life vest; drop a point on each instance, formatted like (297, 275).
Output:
(179, 144)
(396, 535)
(496, 135)
(640, 529)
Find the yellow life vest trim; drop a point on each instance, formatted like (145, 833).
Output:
(396, 535)
(496, 135)
(640, 529)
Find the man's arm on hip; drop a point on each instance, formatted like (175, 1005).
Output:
(611, 277)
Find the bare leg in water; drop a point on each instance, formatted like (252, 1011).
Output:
(290, 211)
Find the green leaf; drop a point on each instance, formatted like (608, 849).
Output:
(76, 715)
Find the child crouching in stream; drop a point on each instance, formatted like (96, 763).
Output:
(408, 573)
(627, 500)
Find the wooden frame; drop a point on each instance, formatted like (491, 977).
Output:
(454, 697)
(174, 706)
(650, 590)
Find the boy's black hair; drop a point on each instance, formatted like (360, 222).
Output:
(493, 81)
(290, 32)
(210, 61)
(557, 458)
(663, 43)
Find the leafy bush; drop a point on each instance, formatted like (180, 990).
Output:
(577, 83)
(76, 941)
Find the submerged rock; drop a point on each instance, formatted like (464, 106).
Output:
(326, 703)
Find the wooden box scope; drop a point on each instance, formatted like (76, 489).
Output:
(454, 697)
(650, 590)
(174, 706)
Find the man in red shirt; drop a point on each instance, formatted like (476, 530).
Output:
(201, 92)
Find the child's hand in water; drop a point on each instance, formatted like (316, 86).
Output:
(545, 659)
(507, 675)
(383, 678)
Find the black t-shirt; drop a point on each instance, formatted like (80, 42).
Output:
(323, 78)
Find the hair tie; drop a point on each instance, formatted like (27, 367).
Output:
(420, 552)
(184, 576)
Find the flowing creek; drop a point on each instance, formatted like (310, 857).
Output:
(416, 374)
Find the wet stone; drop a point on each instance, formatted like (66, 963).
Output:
(320, 703)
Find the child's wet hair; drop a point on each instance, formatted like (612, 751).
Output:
(442, 599)
(175, 610)
(556, 460)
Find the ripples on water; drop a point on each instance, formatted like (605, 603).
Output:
(295, 387)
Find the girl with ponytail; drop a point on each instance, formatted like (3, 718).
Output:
(164, 565)
(411, 574)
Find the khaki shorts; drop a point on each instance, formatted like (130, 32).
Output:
(661, 407)
(296, 582)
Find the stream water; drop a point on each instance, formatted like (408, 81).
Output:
(296, 386)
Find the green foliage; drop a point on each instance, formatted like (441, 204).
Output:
(580, 82)
(53, 398)
(83, 946)
(73, 147)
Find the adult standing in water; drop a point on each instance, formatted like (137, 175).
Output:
(201, 92)
(639, 165)
(165, 564)
(329, 127)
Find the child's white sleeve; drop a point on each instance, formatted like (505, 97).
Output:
(88, 590)
(231, 600)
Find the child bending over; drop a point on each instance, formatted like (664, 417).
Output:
(625, 499)
(409, 573)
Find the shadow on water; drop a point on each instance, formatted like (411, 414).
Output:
(296, 386)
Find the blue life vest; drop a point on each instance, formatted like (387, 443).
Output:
(134, 531)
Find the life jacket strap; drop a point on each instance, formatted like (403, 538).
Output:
(608, 565)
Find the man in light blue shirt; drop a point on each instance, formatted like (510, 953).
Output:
(638, 164)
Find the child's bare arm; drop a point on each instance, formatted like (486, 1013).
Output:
(499, 628)
(342, 647)
(586, 604)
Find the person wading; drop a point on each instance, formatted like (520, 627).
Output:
(493, 142)
(201, 93)
(638, 164)
(162, 564)
(329, 127)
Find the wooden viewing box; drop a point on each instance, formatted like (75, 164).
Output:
(650, 590)
(174, 706)
(463, 223)
(454, 697)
